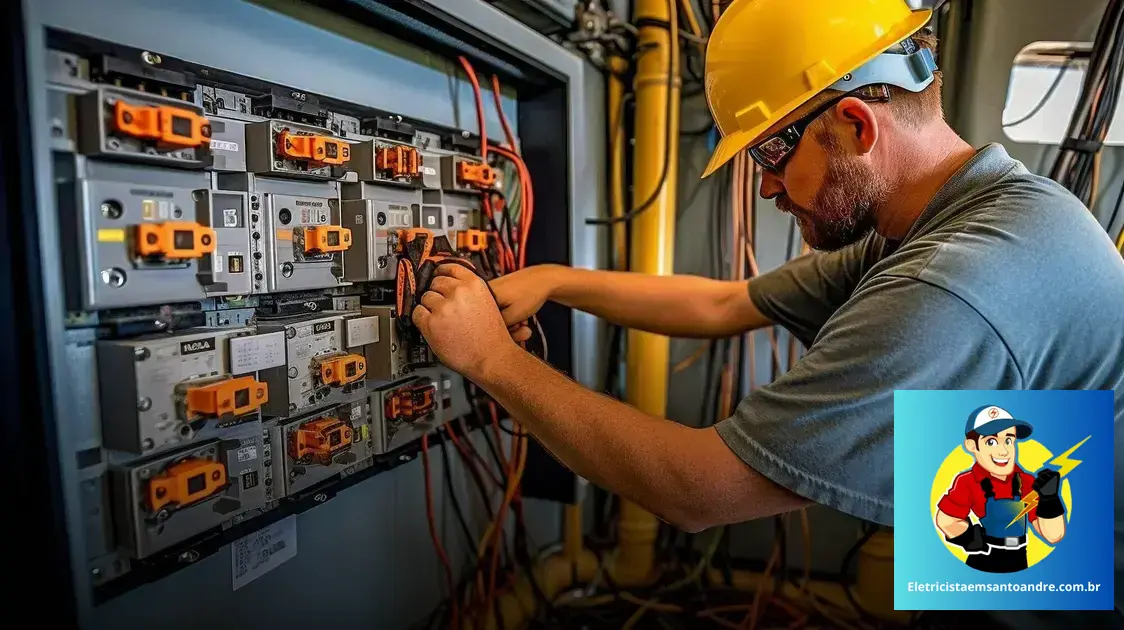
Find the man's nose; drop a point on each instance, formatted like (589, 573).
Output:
(771, 185)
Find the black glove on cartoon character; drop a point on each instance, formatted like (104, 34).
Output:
(1046, 484)
(972, 539)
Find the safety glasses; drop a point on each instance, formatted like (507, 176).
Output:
(772, 152)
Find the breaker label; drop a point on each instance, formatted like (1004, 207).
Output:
(246, 453)
(230, 217)
(323, 327)
(429, 170)
(223, 145)
(197, 346)
(259, 553)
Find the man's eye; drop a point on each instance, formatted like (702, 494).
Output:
(991, 442)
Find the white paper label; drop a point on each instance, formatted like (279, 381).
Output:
(262, 551)
(362, 331)
(257, 352)
(230, 217)
(223, 145)
(246, 453)
(429, 170)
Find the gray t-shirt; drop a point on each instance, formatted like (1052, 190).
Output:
(1006, 281)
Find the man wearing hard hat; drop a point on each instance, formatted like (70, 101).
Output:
(993, 490)
(938, 266)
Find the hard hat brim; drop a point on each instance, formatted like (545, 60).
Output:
(729, 146)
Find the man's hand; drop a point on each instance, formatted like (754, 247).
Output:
(1046, 484)
(972, 539)
(520, 295)
(458, 318)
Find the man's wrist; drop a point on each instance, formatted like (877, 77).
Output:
(553, 277)
(497, 366)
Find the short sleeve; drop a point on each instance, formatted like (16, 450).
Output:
(825, 429)
(804, 293)
(957, 502)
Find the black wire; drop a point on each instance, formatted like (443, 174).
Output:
(668, 131)
(1115, 209)
(868, 532)
(453, 495)
(1045, 97)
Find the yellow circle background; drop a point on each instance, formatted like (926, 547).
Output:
(1032, 455)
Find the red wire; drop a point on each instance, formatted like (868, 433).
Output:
(451, 583)
(503, 117)
(480, 127)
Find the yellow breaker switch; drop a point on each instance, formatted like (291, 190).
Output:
(343, 369)
(320, 440)
(319, 149)
(162, 123)
(474, 174)
(185, 482)
(472, 240)
(326, 239)
(398, 161)
(233, 397)
(173, 240)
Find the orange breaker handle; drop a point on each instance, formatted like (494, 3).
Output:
(321, 439)
(162, 123)
(319, 149)
(472, 240)
(177, 240)
(411, 402)
(233, 397)
(398, 161)
(326, 239)
(475, 174)
(342, 370)
(184, 483)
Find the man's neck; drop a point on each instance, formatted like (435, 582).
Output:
(923, 160)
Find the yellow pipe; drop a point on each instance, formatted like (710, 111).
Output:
(617, 66)
(653, 238)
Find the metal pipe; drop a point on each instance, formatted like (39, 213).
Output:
(652, 243)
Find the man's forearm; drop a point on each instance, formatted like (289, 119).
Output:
(686, 476)
(676, 306)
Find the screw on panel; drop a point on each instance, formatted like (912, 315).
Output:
(96, 572)
(144, 404)
(151, 59)
(465, 134)
(147, 444)
(278, 164)
(111, 209)
(113, 277)
(113, 144)
(141, 353)
(145, 473)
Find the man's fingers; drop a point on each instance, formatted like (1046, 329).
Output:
(443, 285)
(454, 270)
(420, 318)
(521, 334)
(430, 299)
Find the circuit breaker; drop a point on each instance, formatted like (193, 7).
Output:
(321, 368)
(295, 233)
(142, 234)
(162, 391)
(129, 125)
(310, 449)
(394, 355)
(166, 499)
(373, 213)
(288, 149)
(408, 409)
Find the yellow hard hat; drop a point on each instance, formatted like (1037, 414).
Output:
(768, 57)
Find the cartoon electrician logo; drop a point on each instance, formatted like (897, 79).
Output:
(1002, 496)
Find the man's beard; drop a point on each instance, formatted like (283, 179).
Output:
(843, 210)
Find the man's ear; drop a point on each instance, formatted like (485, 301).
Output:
(861, 129)
(971, 446)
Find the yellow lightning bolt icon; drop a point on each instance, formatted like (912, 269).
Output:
(1065, 466)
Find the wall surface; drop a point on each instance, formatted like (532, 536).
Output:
(999, 30)
(365, 557)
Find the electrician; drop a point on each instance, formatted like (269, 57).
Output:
(993, 489)
(937, 266)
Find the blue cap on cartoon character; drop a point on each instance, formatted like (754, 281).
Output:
(992, 420)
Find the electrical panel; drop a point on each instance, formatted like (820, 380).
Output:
(241, 260)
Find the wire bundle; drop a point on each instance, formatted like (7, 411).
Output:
(1077, 164)
(473, 599)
